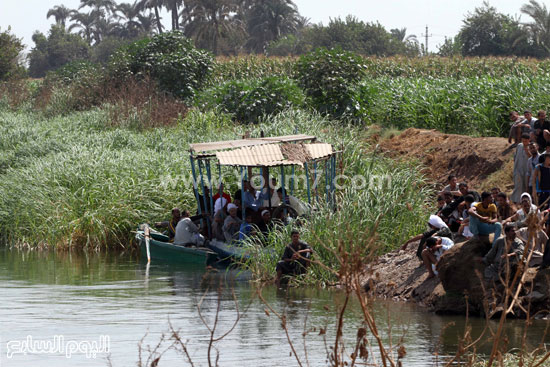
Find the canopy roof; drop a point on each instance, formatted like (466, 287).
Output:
(214, 146)
(267, 152)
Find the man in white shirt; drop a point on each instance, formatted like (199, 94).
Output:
(187, 232)
(435, 247)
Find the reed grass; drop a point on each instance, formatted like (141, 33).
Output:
(78, 181)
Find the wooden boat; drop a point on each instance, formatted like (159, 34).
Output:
(234, 253)
(229, 252)
(162, 250)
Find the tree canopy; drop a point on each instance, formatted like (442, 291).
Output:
(10, 55)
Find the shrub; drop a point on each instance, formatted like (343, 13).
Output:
(73, 71)
(169, 58)
(250, 100)
(329, 78)
(56, 50)
(10, 52)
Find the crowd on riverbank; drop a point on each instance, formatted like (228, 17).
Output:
(519, 224)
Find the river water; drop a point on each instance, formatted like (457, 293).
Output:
(111, 302)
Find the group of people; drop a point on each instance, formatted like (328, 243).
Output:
(227, 223)
(228, 226)
(463, 213)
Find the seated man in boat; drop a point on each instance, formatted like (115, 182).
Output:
(249, 200)
(225, 195)
(295, 203)
(435, 247)
(496, 260)
(170, 225)
(219, 220)
(232, 224)
(208, 208)
(295, 260)
(263, 195)
(266, 224)
(247, 228)
(187, 232)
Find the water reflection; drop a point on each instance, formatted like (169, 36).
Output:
(83, 296)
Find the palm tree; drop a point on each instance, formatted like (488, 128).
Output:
(268, 20)
(99, 5)
(155, 5)
(129, 13)
(173, 7)
(540, 28)
(60, 13)
(401, 35)
(147, 23)
(85, 23)
(210, 20)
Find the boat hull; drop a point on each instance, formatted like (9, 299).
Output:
(168, 252)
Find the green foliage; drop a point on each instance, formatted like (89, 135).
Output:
(474, 106)
(250, 100)
(487, 32)
(102, 52)
(56, 50)
(328, 78)
(349, 34)
(354, 35)
(250, 67)
(10, 53)
(75, 70)
(287, 46)
(169, 58)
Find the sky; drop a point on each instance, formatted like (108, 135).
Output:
(443, 17)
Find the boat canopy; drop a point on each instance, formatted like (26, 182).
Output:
(285, 152)
(209, 147)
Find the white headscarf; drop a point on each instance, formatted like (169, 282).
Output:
(231, 206)
(437, 222)
(528, 197)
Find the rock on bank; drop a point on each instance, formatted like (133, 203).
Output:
(460, 287)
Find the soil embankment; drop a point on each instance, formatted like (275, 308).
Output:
(478, 161)
(399, 275)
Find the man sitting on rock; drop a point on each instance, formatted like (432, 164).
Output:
(483, 218)
(435, 247)
(504, 209)
(519, 219)
(497, 258)
(437, 228)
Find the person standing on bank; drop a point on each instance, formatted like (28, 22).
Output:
(521, 169)
(541, 182)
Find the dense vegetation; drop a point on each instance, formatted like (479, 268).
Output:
(92, 150)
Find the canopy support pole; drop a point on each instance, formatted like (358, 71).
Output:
(195, 185)
(204, 199)
(315, 183)
(210, 191)
(220, 192)
(332, 183)
(283, 187)
(242, 192)
(307, 183)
